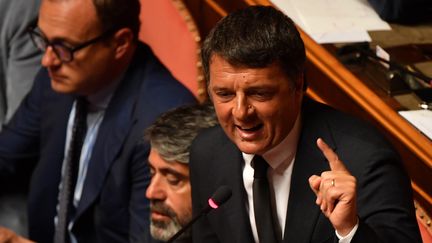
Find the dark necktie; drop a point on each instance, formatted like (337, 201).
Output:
(261, 200)
(71, 171)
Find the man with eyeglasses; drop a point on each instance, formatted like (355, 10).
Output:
(81, 124)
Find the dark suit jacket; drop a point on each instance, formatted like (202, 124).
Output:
(385, 205)
(403, 11)
(113, 207)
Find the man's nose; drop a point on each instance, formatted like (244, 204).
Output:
(242, 108)
(155, 190)
(50, 58)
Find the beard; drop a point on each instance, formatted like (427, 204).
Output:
(164, 230)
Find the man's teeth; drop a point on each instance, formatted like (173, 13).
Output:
(250, 129)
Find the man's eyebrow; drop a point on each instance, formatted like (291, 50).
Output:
(56, 39)
(165, 171)
(220, 89)
(261, 88)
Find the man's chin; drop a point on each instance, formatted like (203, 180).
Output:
(250, 147)
(61, 87)
(163, 231)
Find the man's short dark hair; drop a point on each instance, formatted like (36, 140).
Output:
(117, 14)
(256, 37)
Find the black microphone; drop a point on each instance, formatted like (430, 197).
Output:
(219, 197)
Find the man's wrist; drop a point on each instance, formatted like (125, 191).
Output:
(348, 237)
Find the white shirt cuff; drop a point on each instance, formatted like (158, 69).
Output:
(348, 237)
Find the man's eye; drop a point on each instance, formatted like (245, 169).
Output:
(224, 95)
(62, 44)
(262, 95)
(173, 180)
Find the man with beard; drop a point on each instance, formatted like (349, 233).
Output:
(169, 191)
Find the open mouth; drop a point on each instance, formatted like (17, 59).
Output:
(251, 129)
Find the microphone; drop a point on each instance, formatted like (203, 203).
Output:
(219, 197)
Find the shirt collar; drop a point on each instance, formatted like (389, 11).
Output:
(101, 99)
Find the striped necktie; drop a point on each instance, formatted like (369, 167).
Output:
(71, 172)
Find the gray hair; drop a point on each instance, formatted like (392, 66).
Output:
(173, 132)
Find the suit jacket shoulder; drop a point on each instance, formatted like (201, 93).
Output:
(384, 195)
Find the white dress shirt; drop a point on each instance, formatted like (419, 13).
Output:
(96, 110)
(281, 161)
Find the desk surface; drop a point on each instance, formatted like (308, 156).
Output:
(352, 94)
(402, 35)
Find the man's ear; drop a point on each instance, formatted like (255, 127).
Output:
(300, 85)
(305, 83)
(123, 41)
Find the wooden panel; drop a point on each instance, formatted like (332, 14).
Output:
(331, 82)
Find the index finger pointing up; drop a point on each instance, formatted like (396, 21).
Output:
(331, 156)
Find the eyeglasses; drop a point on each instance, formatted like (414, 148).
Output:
(63, 52)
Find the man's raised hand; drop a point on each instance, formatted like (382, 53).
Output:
(336, 192)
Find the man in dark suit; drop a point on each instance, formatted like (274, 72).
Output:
(287, 184)
(92, 61)
(169, 191)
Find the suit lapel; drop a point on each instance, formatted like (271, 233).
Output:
(303, 213)
(232, 221)
(46, 177)
(117, 122)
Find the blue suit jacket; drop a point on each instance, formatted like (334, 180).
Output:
(384, 199)
(403, 11)
(113, 207)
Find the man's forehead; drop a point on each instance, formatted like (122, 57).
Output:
(67, 18)
(217, 58)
